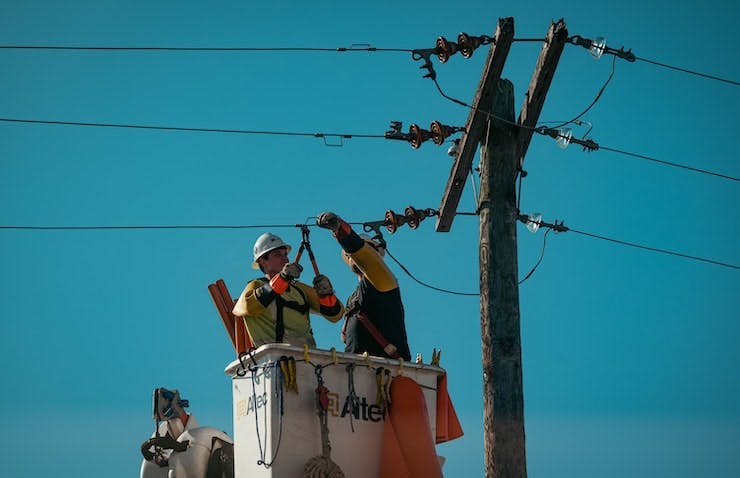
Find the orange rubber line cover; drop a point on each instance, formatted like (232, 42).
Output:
(243, 341)
(226, 317)
(408, 422)
(448, 426)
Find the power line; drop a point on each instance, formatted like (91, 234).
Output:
(250, 226)
(598, 46)
(190, 129)
(353, 47)
(668, 163)
(356, 47)
(560, 227)
(179, 226)
(588, 144)
(655, 249)
(691, 72)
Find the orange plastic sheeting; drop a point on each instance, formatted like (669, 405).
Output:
(408, 446)
(448, 426)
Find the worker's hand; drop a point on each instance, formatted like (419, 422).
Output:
(291, 271)
(328, 220)
(322, 285)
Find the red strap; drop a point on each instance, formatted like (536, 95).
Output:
(384, 344)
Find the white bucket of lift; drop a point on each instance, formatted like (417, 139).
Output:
(277, 431)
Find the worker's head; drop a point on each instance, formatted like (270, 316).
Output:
(376, 246)
(270, 254)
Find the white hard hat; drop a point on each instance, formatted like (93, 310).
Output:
(265, 243)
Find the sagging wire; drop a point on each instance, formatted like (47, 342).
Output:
(438, 289)
(596, 99)
(392, 221)
(542, 255)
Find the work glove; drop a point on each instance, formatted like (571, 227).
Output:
(291, 271)
(329, 220)
(322, 285)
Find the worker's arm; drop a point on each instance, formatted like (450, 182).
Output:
(329, 306)
(367, 259)
(369, 262)
(254, 299)
(259, 294)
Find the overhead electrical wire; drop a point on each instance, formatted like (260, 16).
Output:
(179, 226)
(325, 136)
(542, 255)
(358, 47)
(192, 129)
(597, 147)
(438, 289)
(353, 47)
(595, 100)
(562, 228)
(669, 163)
(690, 72)
(655, 249)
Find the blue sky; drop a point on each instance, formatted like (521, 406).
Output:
(629, 356)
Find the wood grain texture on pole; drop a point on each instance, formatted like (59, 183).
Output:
(494, 65)
(503, 396)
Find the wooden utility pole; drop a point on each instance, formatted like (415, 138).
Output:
(505, 141)
(503, 397)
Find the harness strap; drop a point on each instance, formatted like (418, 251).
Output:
(280, 304)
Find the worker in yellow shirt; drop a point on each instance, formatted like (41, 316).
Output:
(276, 307)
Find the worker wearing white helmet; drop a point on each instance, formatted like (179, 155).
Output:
(375, 318)
(276, 307)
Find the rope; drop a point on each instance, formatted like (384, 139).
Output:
(322, 466)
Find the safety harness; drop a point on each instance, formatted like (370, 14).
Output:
(280, 305)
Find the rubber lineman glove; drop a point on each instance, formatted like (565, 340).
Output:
(322, 285)
(291, 271)
(328, 220)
